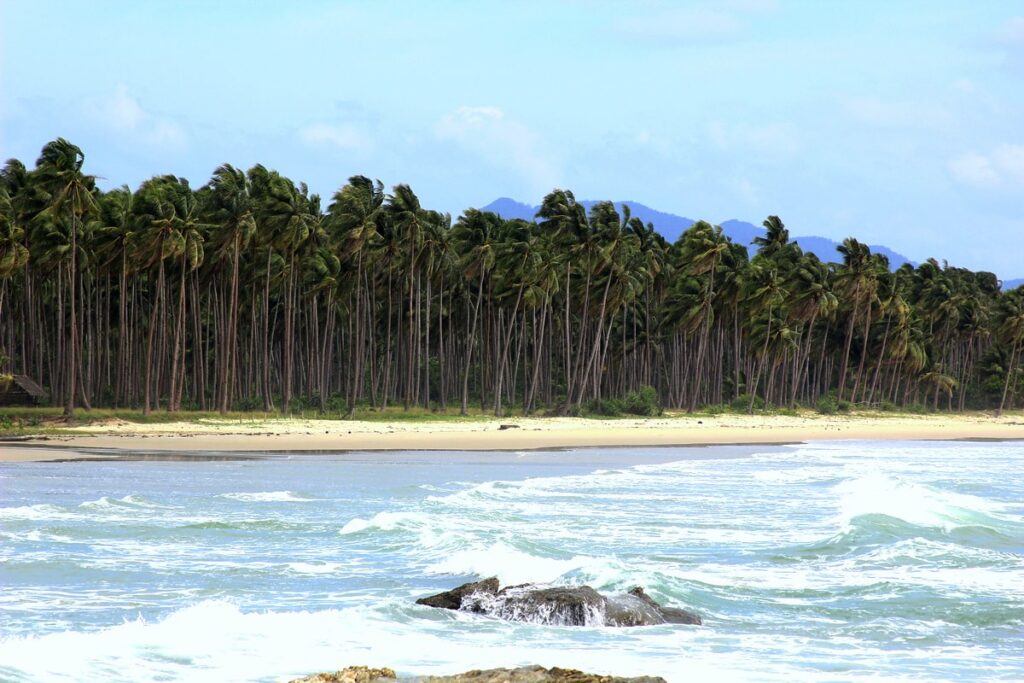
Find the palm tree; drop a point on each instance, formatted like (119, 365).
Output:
(356, 213)
(1010, 329)
(475, 236)
(70, 196)
(284, 211)
(857, 282)
(13, 253)
(231, 211)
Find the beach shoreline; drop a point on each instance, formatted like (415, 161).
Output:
(291, 435)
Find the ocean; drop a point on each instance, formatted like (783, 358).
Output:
(813, 562)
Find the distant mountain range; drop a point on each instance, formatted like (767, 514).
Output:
(671, 226)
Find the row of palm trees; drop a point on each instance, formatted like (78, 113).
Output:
(247, 293)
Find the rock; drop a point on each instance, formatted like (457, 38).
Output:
(453, 599)
(559, 606)
(536, 674)
(526, 674)
(502, 428)
(581, 606)
(672, 615)
(353, 674)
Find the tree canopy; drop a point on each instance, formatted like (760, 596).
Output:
(245, 293)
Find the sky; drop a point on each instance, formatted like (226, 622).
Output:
(899, 123)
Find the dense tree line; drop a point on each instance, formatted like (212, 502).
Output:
(248, 293)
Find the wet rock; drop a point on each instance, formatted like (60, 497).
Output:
(536, 674)
(453, 599)
(560, 606)
(581, 606)
(671, 615)
(353, 674)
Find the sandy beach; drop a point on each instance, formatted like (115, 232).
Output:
(282, 435)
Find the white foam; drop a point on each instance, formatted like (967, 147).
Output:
(882, 494)
(217, 641)
(40, 512)
(384, 521)
(318, 568)
(514, 566)
(268, 497)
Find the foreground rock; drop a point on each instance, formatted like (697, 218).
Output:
(537, 674)
(526, 674)
(353, 674)
(561, 606)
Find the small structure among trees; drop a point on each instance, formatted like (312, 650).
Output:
(19, 390)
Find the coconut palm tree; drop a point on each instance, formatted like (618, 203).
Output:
(475, 236)
(231, 211)
(70, 196)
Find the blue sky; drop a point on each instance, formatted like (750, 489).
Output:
(900, 123)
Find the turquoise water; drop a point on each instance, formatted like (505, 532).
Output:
(837, 561)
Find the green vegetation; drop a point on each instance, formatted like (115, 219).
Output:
(247, 295)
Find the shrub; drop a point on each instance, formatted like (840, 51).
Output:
(642, 402)
(827, 405)
(607, 407)
(887, 407)
(843, 406)
(741, 403)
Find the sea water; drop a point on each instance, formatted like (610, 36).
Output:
(837, 561)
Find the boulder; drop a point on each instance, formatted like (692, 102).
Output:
(453, 599)
(536, 674)
(559, 606)
(525, 674)
(671, 615)
(353, 674)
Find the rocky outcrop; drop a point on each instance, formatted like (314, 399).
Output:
(526, 674)
(453, 599)
(353, 674)
(561, 606)
(537, 674)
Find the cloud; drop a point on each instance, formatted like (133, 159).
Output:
(1003, 168)
(345, 136)
(122, 112)
(1011, 32)
(501, 142)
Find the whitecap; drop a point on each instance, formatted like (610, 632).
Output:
(268, 497)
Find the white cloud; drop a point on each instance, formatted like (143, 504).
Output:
(1011, 32)
(501, 142)
(123, 113)
(343, 136)
(1001, 168)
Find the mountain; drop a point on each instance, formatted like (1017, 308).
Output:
(1012, 284)
(822, 247)
(668, 225)
(671, 226)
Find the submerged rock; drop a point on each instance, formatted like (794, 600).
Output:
(353, 674)
(561, 606)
